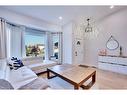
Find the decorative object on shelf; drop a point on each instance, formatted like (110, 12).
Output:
(103, 52)
(121, 51)
(112, 43)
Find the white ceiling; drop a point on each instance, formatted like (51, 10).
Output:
(51, 13)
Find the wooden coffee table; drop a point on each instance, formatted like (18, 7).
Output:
(75, 75)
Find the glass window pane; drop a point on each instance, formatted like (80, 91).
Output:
(55, 45)
(34, 45)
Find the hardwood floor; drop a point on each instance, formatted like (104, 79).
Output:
(104, 80)
(111, 80)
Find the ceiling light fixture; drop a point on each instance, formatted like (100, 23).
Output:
(88, 27)
(90, 30)
(111, 7)
(60, 17)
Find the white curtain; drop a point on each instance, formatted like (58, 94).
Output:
(15, 40)
(23, 50)
(3, 49)
(48, 47)
(60, 53)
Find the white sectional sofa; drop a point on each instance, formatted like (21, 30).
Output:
(22, 78)
(37, 64)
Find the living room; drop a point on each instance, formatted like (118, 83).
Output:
(84, 47)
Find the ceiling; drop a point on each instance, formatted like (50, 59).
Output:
(51, 13)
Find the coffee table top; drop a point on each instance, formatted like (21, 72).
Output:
(74, 73)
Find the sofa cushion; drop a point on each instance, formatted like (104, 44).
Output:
(37, 64)
(3, 64)
(4, 84)
(4, 70)
(21, 77)
(7, 73)
(2, 74)
(38, 83)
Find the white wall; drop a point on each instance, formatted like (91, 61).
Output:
(67, 43)
(114, 24)
(28, 21)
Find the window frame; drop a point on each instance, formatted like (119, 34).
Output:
(37, 34)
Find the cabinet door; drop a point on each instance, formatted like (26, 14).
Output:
(108, 59)
(109, 67)
(122, 61)
(113, 68)
(102, 66)
(122, 69)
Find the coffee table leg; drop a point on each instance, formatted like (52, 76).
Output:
(76, 87)
(48, 74)
(94, 78)
(91, 83)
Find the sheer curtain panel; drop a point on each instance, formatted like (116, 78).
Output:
(3, 50)
(15, 42)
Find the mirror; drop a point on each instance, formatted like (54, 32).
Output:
(112, 43)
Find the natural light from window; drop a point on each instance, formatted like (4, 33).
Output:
(55, 45)
(34, 45)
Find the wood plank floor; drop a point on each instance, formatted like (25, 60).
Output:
(105, 80)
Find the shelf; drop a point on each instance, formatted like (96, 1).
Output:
(112, 63)
(114, 56)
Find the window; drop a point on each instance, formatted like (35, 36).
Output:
(55, 45)
(35, 42)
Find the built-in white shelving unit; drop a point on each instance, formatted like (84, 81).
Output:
(113, 63)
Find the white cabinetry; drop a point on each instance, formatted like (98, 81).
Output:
(122, 61)
(113, 63)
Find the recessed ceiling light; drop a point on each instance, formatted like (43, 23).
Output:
(111, 7)
(60, 17)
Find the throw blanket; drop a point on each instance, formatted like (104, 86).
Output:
(38, 83)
